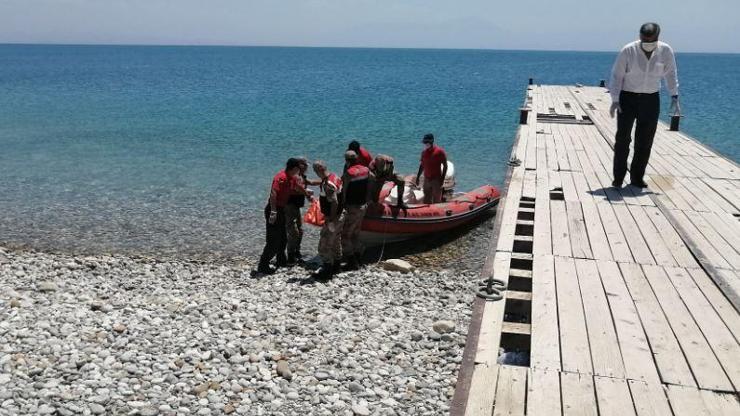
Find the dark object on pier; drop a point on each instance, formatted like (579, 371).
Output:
(523, 114)
(675, 119)
(602, 83)
(531, 81)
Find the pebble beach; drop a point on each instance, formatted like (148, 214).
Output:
(119, 335)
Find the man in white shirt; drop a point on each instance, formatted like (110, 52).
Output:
(634, 89)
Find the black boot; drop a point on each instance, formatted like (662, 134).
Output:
(358, 260)
(336, 268)
(352, 263)
(324, 273)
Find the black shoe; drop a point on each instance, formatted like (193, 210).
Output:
(281, 261)
(358, 260)
(265, 269)
(324, 273)
(352, 263)
(336, 268)
(639, 184)
(617, 184)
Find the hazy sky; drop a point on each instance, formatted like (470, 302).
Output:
(688, 25)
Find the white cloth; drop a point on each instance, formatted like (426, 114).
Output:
(633, 71)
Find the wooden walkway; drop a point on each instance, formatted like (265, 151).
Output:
(625, 300)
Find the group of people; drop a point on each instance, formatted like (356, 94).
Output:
(343, 200)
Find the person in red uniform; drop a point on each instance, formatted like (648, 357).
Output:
(276, 239)
(434, 166)
(354, 200)
(363, 156)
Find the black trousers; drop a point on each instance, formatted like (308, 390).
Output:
(644, 109)
(276, 239)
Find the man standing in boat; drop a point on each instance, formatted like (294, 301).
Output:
(330, 243)
(634, 89)
(434, 166)
(354, 200)
(363, 156)
(276, 240)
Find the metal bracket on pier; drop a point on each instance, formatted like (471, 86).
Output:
(491, 289)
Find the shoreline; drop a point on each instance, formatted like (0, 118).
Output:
(116, 334)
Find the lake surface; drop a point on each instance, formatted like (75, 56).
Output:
(170, 150)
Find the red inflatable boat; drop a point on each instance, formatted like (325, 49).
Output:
(386, 223)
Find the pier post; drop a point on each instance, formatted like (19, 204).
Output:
(675, 119)
(531, 81)
(602, 83)
(523, 115)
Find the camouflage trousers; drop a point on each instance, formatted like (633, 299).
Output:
(353, 216)
(330, 241)
(293, 227)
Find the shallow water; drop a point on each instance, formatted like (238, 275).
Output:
(170, 150)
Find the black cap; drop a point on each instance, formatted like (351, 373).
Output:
(428, 138)
(292, 163)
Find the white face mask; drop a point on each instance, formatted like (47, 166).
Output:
(649, 46)
(427, 146)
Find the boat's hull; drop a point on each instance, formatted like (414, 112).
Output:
(386, 224)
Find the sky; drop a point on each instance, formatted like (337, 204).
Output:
(688, 25)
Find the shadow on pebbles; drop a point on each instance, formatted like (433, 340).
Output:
(119, 335)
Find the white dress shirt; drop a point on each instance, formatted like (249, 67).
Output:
(634, 72)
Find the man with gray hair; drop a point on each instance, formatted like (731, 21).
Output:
(634, 89)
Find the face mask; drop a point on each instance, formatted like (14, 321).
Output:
(649, 46)
(427, 146)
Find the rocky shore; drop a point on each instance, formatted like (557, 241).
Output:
(119, 335)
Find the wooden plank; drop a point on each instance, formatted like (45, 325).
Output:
(721, 404)
(490, 329)
(670, 236)
(707, 370)
(511, 391)
(637, 244)
(569, 188)
(727, 190)
(509, 214)
(560, 234)
(617, 241)
(658, 248)
(518, 328)
(702, 249)
(613, 397)
(578, 395)
(724, 308)
(687, 401)
(717, 240)
(543, 392)
(575, 351)
(482, 390)
(649, 399)
(529, 189)
(577, 229)
(667, 353)
(542, 243)
(545, 341)
(637, 357)
(596, 234)
(582, 188)
(605, 353)
(719, 337)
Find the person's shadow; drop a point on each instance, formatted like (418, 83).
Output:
(620, 194)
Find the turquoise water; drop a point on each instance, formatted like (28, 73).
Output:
(171, 149)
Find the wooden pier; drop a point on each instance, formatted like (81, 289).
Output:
(625, 301)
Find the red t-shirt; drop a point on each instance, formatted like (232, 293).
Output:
(432, 160)
(283, 186)
(364, 157)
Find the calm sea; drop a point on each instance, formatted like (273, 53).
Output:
(170, 150)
